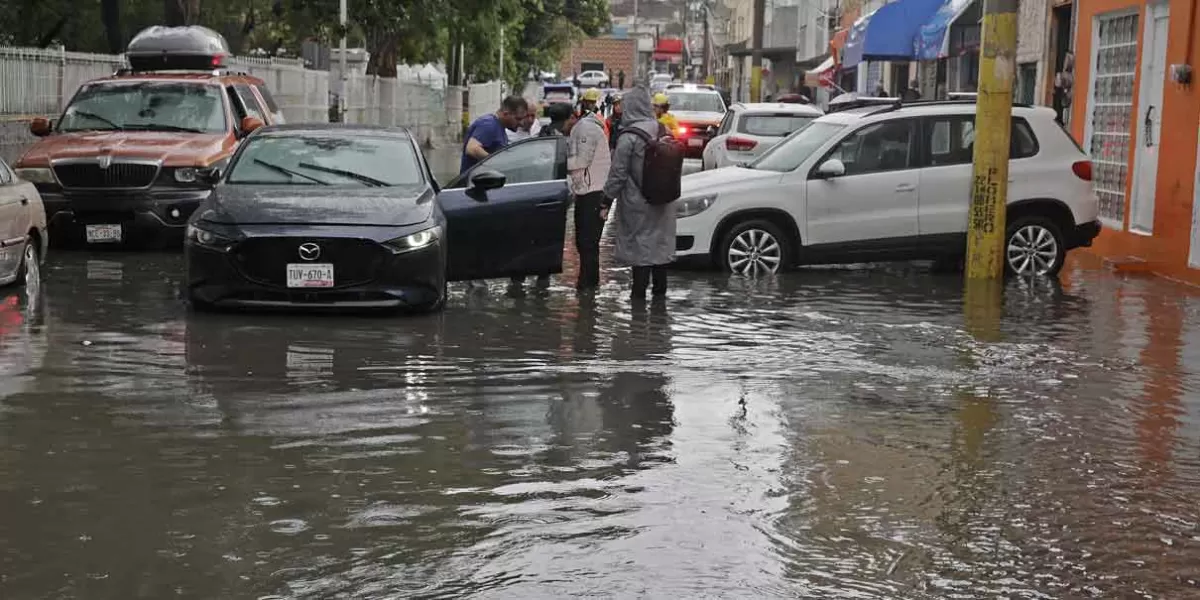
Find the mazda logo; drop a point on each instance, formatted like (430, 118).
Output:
(310, 251)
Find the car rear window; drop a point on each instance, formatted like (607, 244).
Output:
(696, 101)
(774, 125)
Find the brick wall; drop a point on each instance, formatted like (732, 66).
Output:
(617, 55)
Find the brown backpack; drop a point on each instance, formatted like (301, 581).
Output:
(662, 167)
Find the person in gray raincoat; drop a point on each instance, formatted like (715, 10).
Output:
(644, 233)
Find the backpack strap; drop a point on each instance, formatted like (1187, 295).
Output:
(636, 131)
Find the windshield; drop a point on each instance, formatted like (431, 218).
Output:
(791, 152)
(696, 101)
(146, 105)
(327, 159)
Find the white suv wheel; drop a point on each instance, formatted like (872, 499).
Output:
(1034, 247)
(753, 249)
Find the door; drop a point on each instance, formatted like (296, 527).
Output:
(949, 149)
(517, 229)
(14, 222)
(874, 205)
(1149, 127)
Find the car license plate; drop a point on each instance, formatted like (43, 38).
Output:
(317, 275)
(102, 234)
(695, 142)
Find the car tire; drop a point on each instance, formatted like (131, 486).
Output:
(755, 247)
(29, 273)
(438, 305)
(1033, 246)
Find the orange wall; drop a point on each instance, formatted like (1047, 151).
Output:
(1166, 252)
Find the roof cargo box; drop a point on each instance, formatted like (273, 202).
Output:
(191, 48)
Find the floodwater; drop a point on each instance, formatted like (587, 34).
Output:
(832, 433)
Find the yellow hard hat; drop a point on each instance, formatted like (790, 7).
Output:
(660, 99)
(591, 95)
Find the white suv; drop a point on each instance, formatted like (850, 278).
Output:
(749, 130)
(888, 183)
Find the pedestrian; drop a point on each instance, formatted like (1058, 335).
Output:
(560, 114)
(912, 93)
(614, 122)
(576, 82)
(588, 162)
(489, 133)
(645, 233)
(621, 79)
(662, 111)
(530, 127)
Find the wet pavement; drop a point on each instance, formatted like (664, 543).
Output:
(832, 433)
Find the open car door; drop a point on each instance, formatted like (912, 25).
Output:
(507, 215)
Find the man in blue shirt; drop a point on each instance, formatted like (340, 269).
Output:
(489, 133)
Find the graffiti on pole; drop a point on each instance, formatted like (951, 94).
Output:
(985, 200)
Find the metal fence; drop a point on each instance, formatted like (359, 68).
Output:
(40, 82)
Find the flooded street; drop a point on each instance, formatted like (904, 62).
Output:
(831, 433)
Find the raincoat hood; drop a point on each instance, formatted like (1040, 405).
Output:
(637, 106)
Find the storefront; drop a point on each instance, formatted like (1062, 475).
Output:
(887, 35)
(1125, 89)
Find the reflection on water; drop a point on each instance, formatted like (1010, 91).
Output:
(830, 433)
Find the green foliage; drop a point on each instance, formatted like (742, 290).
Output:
(410, 31)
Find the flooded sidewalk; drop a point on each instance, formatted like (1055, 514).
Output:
(830, 433)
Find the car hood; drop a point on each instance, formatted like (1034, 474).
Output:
(689, 116)
(319, 205)
(173, 148)
(722, 180)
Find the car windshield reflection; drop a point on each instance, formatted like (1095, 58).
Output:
(321, 159)
(146, 106)
(789, 154)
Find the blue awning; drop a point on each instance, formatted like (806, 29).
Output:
(890, 32)
(933, 39)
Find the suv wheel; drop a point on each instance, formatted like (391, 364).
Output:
(1033, 246)
(754, 248)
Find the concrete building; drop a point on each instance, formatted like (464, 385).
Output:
(607, 54)
(1132, 76)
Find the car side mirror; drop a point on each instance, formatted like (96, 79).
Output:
(488, 180)
(250, 125)
(830, 169)
(211, 176)
(41, 126)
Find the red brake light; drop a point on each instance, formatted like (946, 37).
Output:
(1082, 169)
(736, 144)
(683, 130)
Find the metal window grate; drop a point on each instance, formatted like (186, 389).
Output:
(1114, 54)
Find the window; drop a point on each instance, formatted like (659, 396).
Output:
(1026, 83)
(727, 123)
(789, 154)
(146, 106)
(1110, 108)
(773, 125)
(877, 148)
(525, 162)
(696, 101)
(250, 102)
(318, 158)
(270, 100)
(951, 140)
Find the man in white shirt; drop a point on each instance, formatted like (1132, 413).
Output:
(588, 162)
(528, 128)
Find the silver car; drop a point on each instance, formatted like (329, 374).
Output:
(748, 130)
(23, 238)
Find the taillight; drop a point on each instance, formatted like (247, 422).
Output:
(736, 144)
(1082, 169)
(683, 130)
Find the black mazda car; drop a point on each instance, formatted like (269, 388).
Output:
(350, 217)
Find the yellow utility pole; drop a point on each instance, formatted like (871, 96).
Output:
(760, 15)
(993, 129)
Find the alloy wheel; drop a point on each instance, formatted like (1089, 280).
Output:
(1032, 250)
(755, 252)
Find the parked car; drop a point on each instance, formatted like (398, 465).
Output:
(750, 129)
(697, 108)
(593, 79)
(350, 217)
(889, 183)
(23, 237)
(660, 81)
(124, 162)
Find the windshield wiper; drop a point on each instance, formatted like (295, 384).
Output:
(344, 173)
(287, 171)
(91, 115)
(158, 127)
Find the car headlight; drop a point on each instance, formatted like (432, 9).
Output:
(203, 237)
(185, 175)
(36, 176)
(694, 205)
(416, 241)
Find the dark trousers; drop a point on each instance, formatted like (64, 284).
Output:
(643, 276)
(589, 226)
